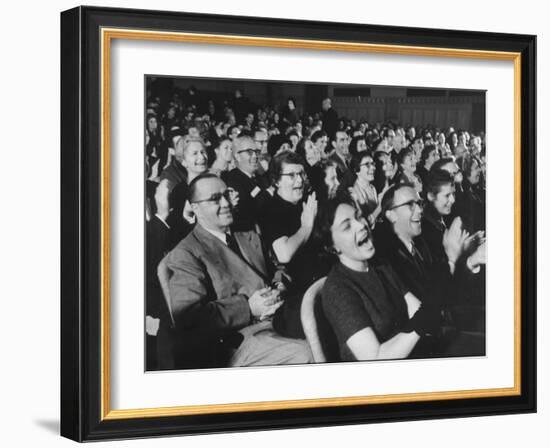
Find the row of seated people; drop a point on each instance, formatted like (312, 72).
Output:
(231, 254)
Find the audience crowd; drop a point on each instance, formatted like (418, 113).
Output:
(248, 206)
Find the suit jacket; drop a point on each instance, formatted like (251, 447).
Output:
(341, 167)
(246, 213)
(211, 284)
(427, 278)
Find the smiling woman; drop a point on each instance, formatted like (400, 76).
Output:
(372, 314)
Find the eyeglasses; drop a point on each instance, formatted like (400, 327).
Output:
(294, 175)
(250, 152)
(217, 197)
(418, 202)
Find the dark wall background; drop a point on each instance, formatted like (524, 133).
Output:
(462, 109)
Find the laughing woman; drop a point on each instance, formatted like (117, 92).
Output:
(371, 314)
(287, 226)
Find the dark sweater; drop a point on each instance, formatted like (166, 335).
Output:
(355, 300)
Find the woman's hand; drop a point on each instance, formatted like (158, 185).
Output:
(454, 239)
(309, 212)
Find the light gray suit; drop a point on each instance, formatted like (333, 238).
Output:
(210, 288)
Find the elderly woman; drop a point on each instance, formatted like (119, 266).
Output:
(173, 202)
(370, 312)
(287, 226)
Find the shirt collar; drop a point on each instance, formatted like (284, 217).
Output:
(219, 235)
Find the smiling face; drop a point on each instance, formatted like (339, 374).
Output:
(367, 169)
(152, 124)
(213, 214)
(224, 152)
(260, 137)
(443, 200)
(321, 144)
(408, 165)
(291, 182)
(312, 153)
(405, 214)
(475, 173)
(387, 166)
(433, 157)
(246, 155)
(341, 143)
(195, 159)
(351, 236)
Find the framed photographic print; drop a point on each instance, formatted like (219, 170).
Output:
(273, 224)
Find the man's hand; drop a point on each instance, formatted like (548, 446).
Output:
(264, 302)
(151, 325)
(188, 213)
(309, 211)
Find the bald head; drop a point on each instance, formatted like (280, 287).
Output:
(246, 154)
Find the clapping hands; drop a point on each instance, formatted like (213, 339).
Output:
(454, 240)
(264, 302)
(309, 211)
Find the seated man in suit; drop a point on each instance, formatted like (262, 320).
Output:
(341, 155)
(248, 182)
(221, 286)
(399, 240)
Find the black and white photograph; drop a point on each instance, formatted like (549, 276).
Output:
(293, 223)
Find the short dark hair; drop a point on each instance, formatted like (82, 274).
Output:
(322, 229)
(277, 162)
(389, 196)
(441, 163)
(275, 142)
(426, 152)
(192, 189)
(353, 144)
(318, 135)
(404, 153)
(437, 179)
(466, 162)
(357, 158)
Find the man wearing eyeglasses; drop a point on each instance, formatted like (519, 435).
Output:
(247, 181)
(399, 240)
(220, 290)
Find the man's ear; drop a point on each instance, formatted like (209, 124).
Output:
(390, 216)
(430, 196)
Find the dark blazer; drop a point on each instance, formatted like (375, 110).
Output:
(426, 277)
(211, 284)
(246, 213)
(341, 167)
(330, 122)
(433, 228)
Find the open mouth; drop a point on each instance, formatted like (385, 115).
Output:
(363, 240)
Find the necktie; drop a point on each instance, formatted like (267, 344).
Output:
(233, 245)
(418, 260)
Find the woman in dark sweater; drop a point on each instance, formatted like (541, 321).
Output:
(370, 312)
